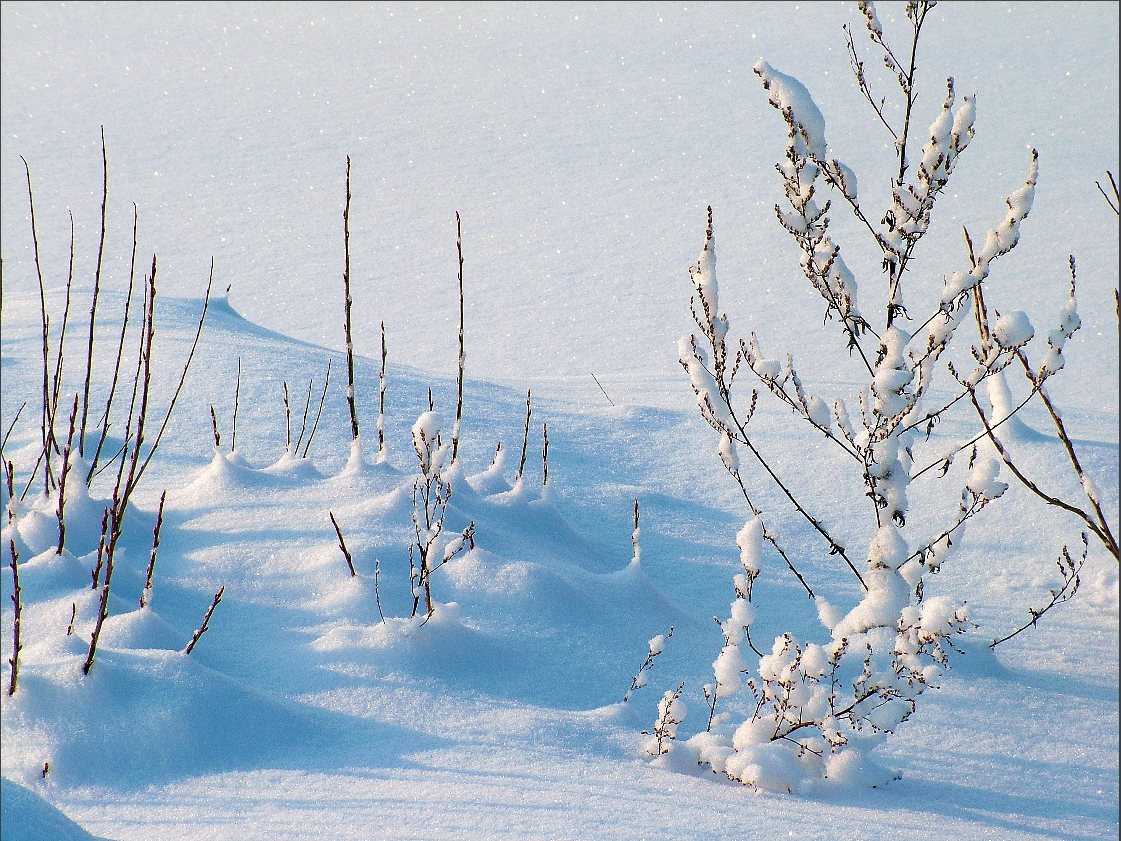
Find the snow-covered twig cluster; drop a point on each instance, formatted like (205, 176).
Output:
(431, 493)
(655, 647)
(820, 707)
(671, 712)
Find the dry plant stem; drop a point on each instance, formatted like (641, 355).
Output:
(1071, 581)
(62, 480)
(322, 397)
(103, 607)
(47, 420)
(205, 626)
(237, 399)
(145, 383)
(73, 618)
(342, 545)
(983, 434)
(147, 308)
(1114, 202)
(1104, 535)
(377, 593)
(965, 513)
(56, 383)
(895, 263)
(346, 289)
(183, 376)
(122, 491)
(120, 352)
(770, 538)
(459, 378)
(96, 290)
(601, 388)
(737, 430)
(545, 460)
(303, 423)
(381, 395)
(917, 19)
(12, 425)
(149, 576)
(858, 71)
(835, 548)
(647, 664)
(525, 435)
(96, 573)
(287, 421)
(17, 601)
(214, 428)
(10, 477)
(31, 480)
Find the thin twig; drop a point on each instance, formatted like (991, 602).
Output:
(381, 397)
(11, 426)
(62, 479)
(342, 545)
(183, 377)
(96, 572)
(120, 352)
(1114, 203)
(237, 398)
(545, 454)
(303, 422)
(60, 356)
(205, 626)
(601, 388)
(525, 435)
(1105, 533)
(113, 521)
(377, 594)
(322, 397)
(459, 377)
(1071, 581)
(17, 601)
(346, 289)
(146, 596)
(47, 420)
(287, 421)
(96, 290)
(1105, 536)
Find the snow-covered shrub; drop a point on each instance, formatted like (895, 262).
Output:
(671, 712)
(431, 492)
(819, 707)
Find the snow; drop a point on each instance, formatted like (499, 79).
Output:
(582, 146)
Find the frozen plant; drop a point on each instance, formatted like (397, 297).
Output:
(655, 646)
(68, 475)
(431, 493)
(1070, 570)
(671, 712)
(1090, 511)
(818, 708)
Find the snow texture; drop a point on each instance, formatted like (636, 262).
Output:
(582, 146)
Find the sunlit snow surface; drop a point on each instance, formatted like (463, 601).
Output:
(581, 146)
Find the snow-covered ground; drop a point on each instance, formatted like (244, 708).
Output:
(581, 145)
